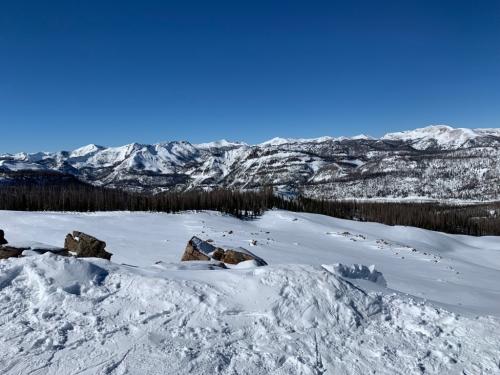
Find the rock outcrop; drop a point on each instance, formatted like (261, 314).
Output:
(235, 257)
(10, 252)
(3, 241)
(77, 244)
(83, 245)
(7, 251)
(199, 250)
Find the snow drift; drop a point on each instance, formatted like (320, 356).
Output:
(305, 313)
(68, 316)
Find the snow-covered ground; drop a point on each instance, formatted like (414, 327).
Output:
(435, 307)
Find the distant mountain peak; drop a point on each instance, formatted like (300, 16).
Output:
(219, 144)
(434, 161)
(85, 150)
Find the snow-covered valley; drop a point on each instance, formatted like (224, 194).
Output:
(435, 307)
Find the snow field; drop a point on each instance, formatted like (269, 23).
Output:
(310, 312)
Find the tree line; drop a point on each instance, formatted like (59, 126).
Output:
(81, 197)
(477, 220)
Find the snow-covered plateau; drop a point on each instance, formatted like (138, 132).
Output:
(436, 162)
(338, 297)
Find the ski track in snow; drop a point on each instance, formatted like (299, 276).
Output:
(300, 315)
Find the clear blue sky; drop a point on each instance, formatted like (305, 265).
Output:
(114, 72)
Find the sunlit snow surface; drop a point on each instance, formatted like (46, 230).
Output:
(435, 308)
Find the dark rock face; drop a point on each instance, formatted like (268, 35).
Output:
(200, 250)
(3, 241)
(84, 245)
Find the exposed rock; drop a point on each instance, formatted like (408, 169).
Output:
(197, 249)
(84, 245)
(3, 241)
(218, 254)
(70, 243)
(235, 257)
(200, 250)
(10, 252)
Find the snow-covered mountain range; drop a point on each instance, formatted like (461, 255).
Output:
(438, 162)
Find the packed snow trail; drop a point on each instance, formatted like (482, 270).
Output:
(72, 316)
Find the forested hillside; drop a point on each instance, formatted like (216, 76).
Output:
(73, 195)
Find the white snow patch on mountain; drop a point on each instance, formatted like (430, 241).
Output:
(443, 136)
(85, 150)
(220, 144)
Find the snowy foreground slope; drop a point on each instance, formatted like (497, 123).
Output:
(435, 308)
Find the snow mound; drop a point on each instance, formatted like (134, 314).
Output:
(198, 265)
(47, 274)
(357, 271)
(66, 315)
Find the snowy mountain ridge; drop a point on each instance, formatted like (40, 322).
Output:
(437, 161)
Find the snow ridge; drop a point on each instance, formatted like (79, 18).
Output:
(397, 165)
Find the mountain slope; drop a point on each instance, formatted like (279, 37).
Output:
(436, 162)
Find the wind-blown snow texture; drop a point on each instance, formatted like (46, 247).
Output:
(437, 162)
(303, 314)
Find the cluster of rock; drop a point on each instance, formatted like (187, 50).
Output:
(77, 244)
(199, 250)
(83, 246)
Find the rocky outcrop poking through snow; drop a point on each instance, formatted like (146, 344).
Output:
(16, 250)
(78, 244)
(9, 252)
(197, 249)
(84, 245)
(3, 241)
(200, 250)
(235, 257)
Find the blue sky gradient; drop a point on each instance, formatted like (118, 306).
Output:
(109, 72)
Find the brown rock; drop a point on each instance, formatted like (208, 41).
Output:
(84, 245)
(10, 252)
(218, 254)
(235, 257)
(3, 241)
(197, 249)
(70, 243)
